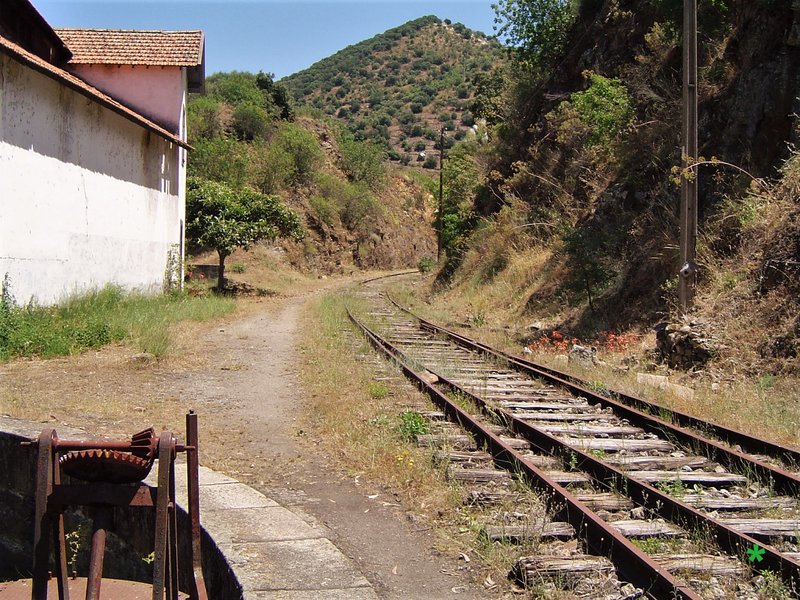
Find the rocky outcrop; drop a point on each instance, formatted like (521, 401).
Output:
(684, 345)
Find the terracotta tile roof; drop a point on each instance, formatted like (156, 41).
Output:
(134, 47)
(63, 77)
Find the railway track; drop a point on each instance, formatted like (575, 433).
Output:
(662, 504)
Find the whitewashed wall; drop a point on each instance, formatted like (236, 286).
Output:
(86, 196)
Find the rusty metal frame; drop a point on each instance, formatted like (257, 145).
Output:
(51, 497)
(197, 582)
(46, 524)
(631, 563)
(166, 453)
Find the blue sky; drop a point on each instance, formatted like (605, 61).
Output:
(265, 35)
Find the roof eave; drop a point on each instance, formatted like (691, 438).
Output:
(98, 97)
(196, 74)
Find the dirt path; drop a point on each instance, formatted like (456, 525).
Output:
(264, 406)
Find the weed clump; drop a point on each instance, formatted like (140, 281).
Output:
(411, 424)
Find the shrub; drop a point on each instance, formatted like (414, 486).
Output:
(291, 157)
(599, 114)
(219, 159)
(430, 163)
(250, 121)
(234, 88)
(426, 264)
(354, 203)
(358, 206)
(325, 210)
(363, 162)
(203, 118)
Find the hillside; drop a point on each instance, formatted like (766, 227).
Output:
(356, 210)
(575, 223)
(401, 87)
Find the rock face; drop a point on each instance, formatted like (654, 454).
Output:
(683, 345)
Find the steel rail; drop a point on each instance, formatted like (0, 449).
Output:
(780, 480)
(390, 275)
(733, 437)
(729, 539)
(631, 563)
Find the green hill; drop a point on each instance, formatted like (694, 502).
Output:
(401, 87)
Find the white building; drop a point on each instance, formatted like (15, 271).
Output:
(91, 182)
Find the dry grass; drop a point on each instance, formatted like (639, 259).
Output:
(357, 419)
(263, 266)
(480, 303)
(91, 390)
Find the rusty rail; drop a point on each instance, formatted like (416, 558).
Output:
(631, 563)
(644, 494)
(781, 480)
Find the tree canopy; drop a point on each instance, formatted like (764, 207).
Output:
(220, 217)
(537, 29)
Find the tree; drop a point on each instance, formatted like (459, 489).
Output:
(223, 218)
(275, 94)
(536, 29)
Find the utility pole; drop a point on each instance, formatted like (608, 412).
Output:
(688, 236)
(440, 212)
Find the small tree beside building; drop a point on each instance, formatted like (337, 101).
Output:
(223, 218)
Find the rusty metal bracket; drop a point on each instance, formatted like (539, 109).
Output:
(113, 472)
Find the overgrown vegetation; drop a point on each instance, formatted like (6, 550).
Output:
(94, 319)
(250, 144)
(583, 137)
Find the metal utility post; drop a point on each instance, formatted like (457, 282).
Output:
(688, 272)
(440, 212)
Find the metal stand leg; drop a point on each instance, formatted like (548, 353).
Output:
(193, 482)
(172, 537)
(166, 448)
(42, 526)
